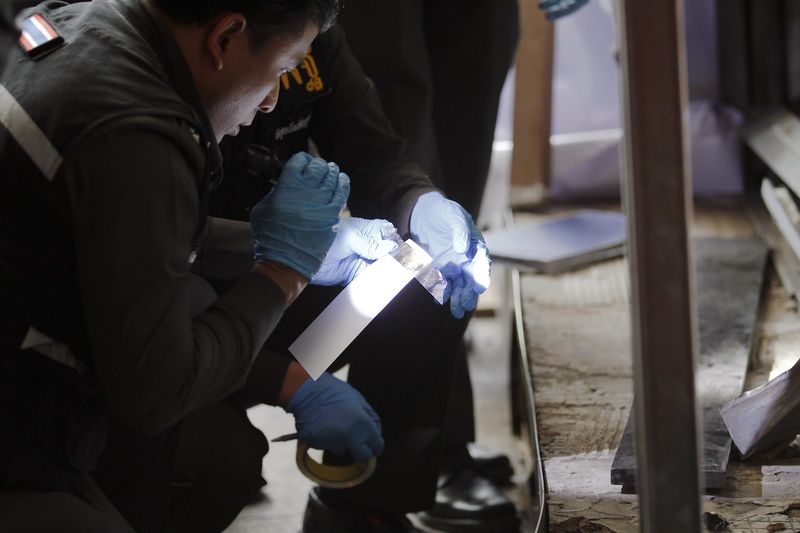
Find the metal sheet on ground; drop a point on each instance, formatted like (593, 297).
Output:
(730, 275)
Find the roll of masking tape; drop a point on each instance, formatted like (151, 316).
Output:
(329, 476)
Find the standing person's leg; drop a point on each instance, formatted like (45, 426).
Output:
(460, 421)
(367, 24)
(389, 41)
(471, 44)
(468, 48)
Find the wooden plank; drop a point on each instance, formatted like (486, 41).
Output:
(784, 259)
(729, 278)
(530, 160)
(775, 140)
(784, 213)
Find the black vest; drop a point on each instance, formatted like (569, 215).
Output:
(254, 157)
(112, 66)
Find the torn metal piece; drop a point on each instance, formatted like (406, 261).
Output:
(414, 258)
(765, 419)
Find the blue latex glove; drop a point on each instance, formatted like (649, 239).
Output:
(293, 224)
(449, 234)
(554, 9)
(358, 243)
(331, 415)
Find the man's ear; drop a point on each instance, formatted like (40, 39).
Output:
(222, 30)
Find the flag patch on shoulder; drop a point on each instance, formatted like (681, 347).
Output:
(37, 36)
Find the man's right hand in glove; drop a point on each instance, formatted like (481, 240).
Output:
(293, 224)
(331, 415)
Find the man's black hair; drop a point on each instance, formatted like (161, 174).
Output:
(266, 19)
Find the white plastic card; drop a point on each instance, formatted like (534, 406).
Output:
(348, 314)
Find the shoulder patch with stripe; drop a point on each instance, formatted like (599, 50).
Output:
(38, 37)
(304, 84)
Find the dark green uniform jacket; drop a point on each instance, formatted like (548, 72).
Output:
(106, 156)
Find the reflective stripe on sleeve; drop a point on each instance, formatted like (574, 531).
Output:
(32, 139)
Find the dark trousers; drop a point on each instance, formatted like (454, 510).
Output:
(84, 509)
(198, 475)
(439, 67)
(402, 363)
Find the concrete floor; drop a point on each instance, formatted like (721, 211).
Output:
(284, 497)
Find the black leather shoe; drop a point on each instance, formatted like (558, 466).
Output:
(468, 502)
(322, 518)
(496, 467)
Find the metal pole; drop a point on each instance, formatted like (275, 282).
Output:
(657, 188)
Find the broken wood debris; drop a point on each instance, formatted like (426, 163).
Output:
(767, 416)
(715, 522)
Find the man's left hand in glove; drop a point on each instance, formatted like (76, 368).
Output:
(451, 237)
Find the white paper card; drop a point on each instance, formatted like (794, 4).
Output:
(348, 314)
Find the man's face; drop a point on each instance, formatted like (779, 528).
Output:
(249, 80)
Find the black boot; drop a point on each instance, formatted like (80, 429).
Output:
(468, 502)
(322, 518)
(496, 467)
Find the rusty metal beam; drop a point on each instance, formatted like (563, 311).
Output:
(657, 188)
